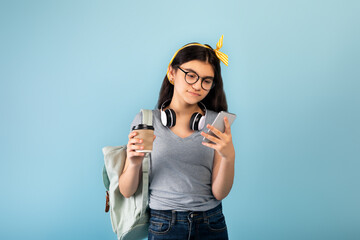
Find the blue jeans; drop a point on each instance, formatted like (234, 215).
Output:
(167, 224)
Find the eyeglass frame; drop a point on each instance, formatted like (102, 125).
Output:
(202, 79)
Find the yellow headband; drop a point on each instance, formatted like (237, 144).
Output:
(222, 56)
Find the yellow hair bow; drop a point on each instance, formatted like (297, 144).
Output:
(222, 56)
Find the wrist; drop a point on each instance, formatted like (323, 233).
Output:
(135, 165)
(229, 159)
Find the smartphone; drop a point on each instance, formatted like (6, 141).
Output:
(219, 123)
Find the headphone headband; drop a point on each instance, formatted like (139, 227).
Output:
(203, 105)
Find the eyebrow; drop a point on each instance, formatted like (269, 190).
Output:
(189, 69)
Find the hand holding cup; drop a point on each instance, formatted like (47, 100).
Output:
(140, 142)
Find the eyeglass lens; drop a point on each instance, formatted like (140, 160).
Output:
(192, 77)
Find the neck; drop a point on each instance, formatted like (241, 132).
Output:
(182, 108)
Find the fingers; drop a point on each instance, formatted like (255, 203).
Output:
(135, 144)
(131, 144)
(135, 140)
(132, 150)
(210, 145)
(227, 125)
(132, 134)
(136, 154)
(136, 147)
(215, 131)
(211, 138)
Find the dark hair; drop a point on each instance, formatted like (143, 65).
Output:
(216, 99)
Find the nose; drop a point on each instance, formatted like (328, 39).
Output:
(197, 85)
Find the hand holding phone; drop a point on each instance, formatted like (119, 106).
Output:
(219, 123)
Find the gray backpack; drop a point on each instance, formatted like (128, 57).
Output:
(129, 216)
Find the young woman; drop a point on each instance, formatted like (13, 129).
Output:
(188, 177)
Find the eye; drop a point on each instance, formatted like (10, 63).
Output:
(192, 75)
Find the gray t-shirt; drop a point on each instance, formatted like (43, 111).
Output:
(181, 168)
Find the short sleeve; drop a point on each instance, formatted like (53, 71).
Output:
(136, 121)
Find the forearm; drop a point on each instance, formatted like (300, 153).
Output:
(223, 182)
(129, 180)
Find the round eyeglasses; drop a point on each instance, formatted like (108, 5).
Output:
(192, 77)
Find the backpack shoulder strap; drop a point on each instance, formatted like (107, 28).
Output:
(147, 118)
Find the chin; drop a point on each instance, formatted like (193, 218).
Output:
(193, 100)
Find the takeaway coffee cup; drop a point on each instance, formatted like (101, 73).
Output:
(145, 132)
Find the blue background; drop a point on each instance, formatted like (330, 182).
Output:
(75, 73)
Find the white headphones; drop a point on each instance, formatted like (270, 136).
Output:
(168, 118)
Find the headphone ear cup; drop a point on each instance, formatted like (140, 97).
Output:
(168, 118)
(163, 118)
(194, 121)
(201, 123)
(172, 117)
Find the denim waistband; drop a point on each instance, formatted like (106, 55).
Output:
(185, 215)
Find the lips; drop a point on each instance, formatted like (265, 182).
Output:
(194, 94)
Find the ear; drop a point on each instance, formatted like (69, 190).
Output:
(171, 72)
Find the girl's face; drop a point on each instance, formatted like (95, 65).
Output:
(191, 93)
